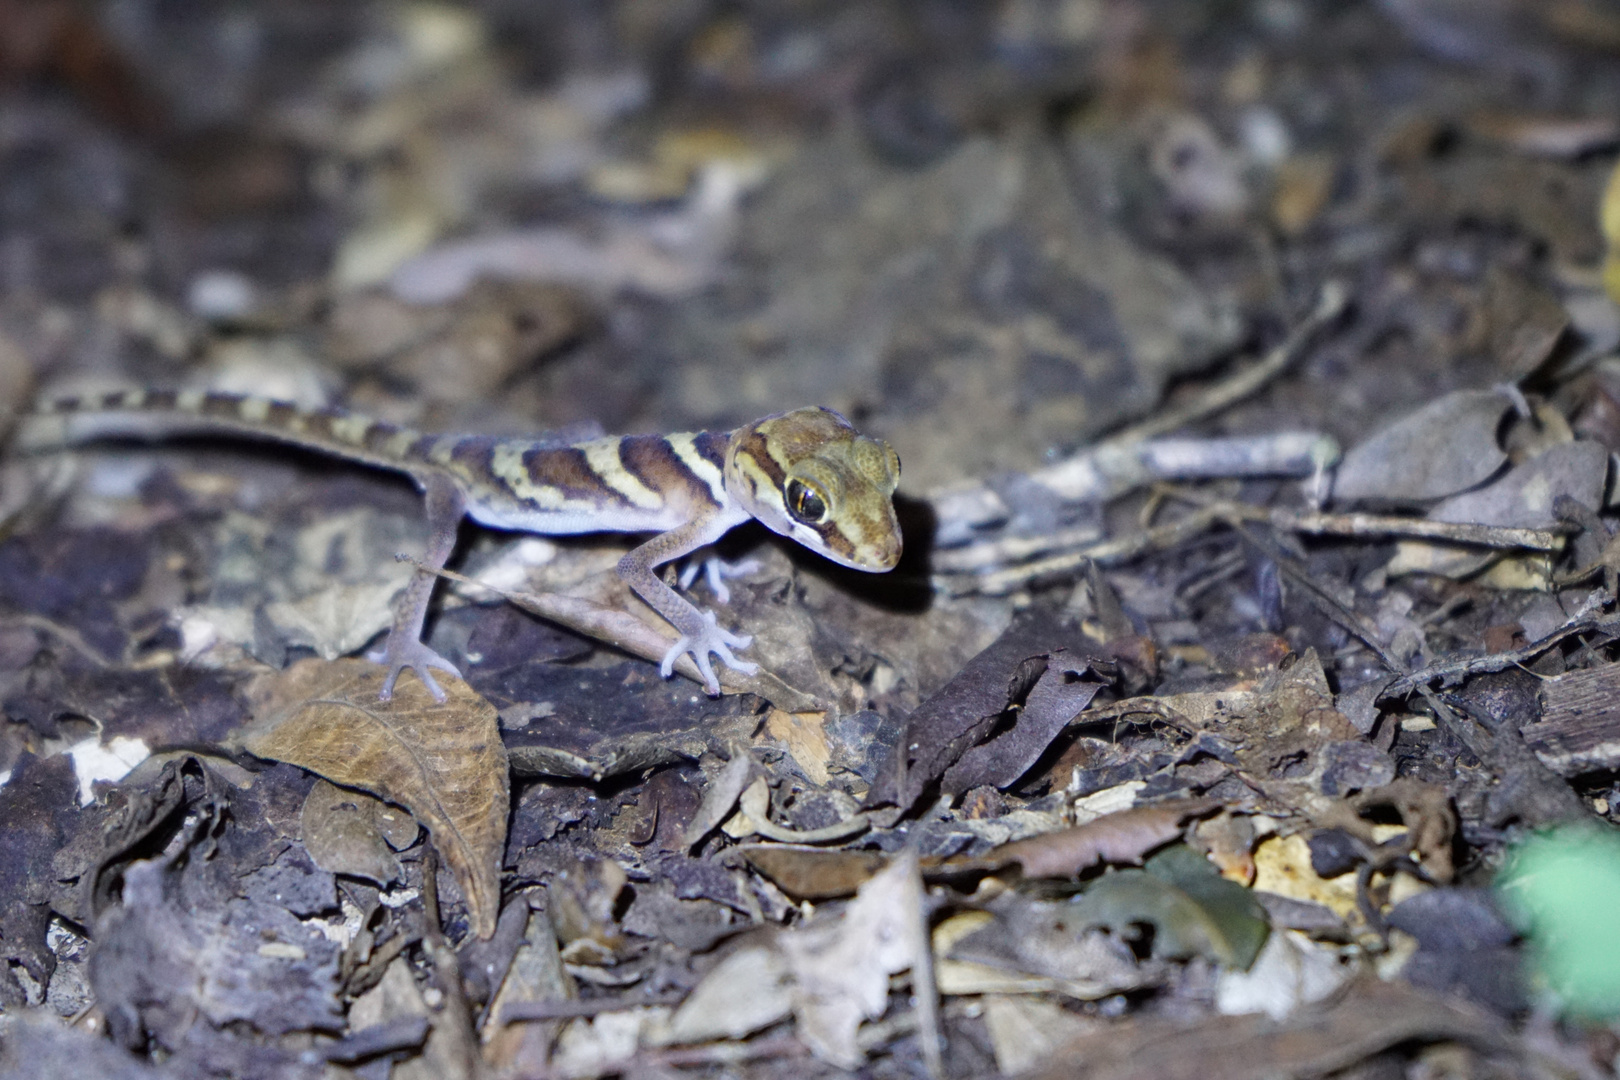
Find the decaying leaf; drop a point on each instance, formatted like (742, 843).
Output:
(833, 974)
(1292, 970)
(396, 999)
(720, 796)
(1443, 448)
(748, 990)
(36, 802)
(841, 970)
(350, 832)
(964, 711)
(1024, 1031)
(1524, 321)
(1466, 947)
(1193, 910)
(1056, 699)
(1025, 944)
(163, 965)
(1524, 497)
(536, 974)
(583, 898)
(1369, 1018)
(443, 762)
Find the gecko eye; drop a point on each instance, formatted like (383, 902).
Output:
(805, 502)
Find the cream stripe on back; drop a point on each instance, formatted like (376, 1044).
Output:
(602, 457)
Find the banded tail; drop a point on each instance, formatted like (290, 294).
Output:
(155, 414)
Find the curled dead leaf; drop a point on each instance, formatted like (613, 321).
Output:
(343, 832)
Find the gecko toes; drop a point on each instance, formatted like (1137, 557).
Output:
(416, 656)
(711, 639)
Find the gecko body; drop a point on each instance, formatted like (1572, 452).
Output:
(806, 474)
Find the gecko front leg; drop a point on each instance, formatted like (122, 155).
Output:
(404, 647)
(700, 634)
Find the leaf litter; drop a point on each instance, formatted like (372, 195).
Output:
(1180, 744)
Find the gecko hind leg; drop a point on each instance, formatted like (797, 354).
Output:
(405, 647)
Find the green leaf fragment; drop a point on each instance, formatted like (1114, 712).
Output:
(1192, 909)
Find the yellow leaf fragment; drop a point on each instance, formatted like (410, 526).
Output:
(1609, 222)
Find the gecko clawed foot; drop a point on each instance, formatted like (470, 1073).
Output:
(710, 638)
(401, 653)
(715, 571)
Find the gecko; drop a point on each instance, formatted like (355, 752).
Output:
(806, 474)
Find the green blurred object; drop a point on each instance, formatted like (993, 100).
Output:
(1562, 889)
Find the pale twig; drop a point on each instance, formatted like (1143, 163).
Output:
(1378, 525)
(66, 634)
(1128, 459)
(1491, 536)
(524, 1011)
(1330, 304)
(1104, 552)
(1454, 670)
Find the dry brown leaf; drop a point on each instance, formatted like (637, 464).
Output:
(444, 763)
(807, 873)
(719, 797)
(1331, 1037)
(1124, 837)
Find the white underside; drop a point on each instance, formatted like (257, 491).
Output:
(616, 519)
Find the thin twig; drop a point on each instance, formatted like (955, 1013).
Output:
(1325, 602)
(1330, 304)
(1104, 553)
(1452, 671)
(525, 1011)
(1128, 459)
(1491, 536)
(1375, 525)
(66, 634)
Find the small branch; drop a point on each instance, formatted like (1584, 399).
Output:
(1131, 458)
(525, 1011)
(1330, 304)
(66, 634)
(1105, 552)
(1370, 525)
(1452, 671)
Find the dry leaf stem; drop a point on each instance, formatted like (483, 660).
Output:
(454, 1020)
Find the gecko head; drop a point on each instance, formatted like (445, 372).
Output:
(809, 475)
